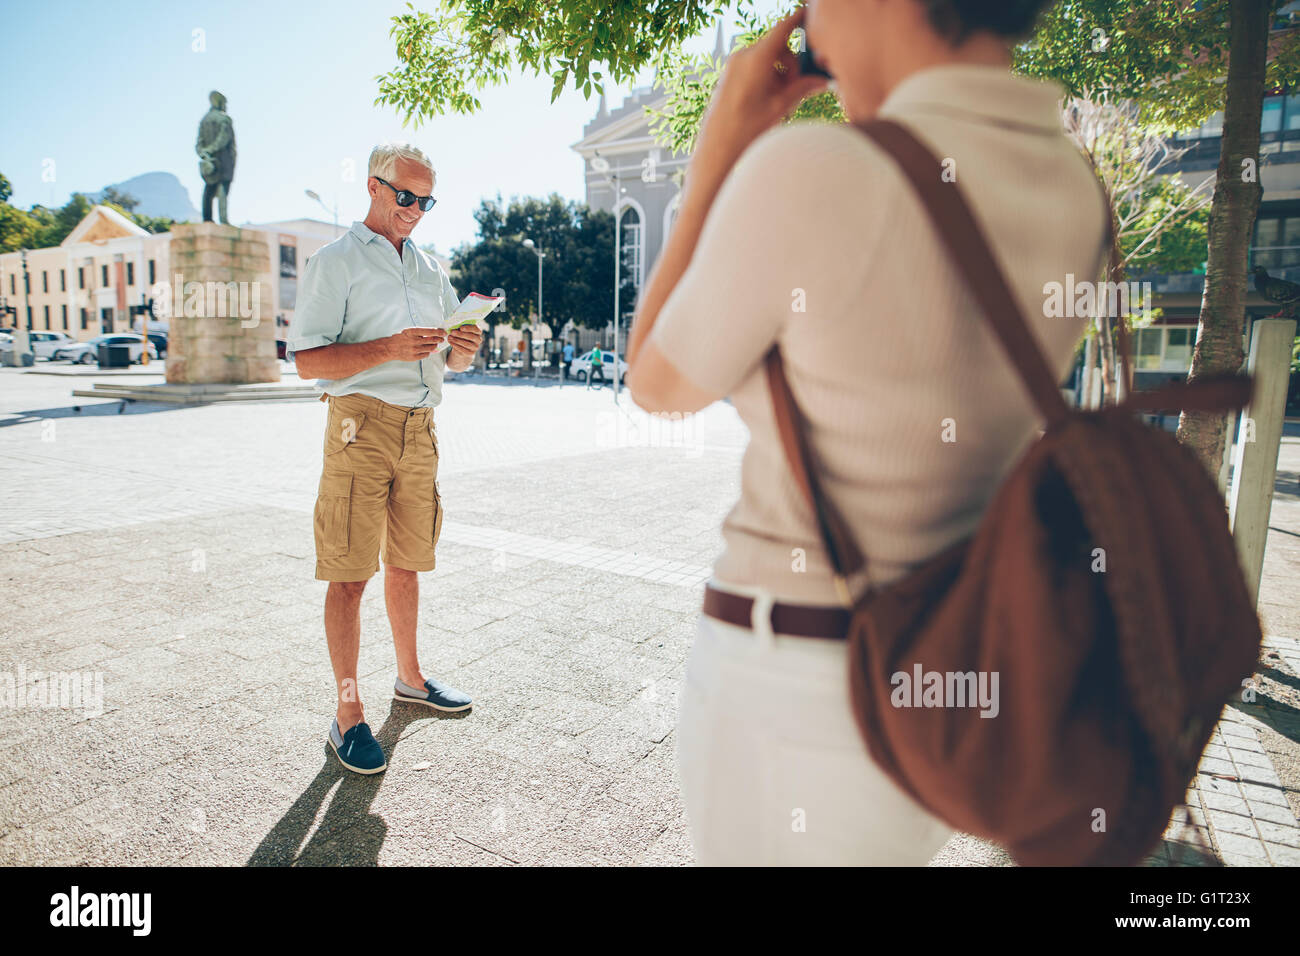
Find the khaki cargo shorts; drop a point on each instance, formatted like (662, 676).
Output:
(378, 497)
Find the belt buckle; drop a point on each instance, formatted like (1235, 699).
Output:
(760, 619)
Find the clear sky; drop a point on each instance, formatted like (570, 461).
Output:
(107, 91)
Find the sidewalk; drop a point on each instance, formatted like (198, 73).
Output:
(170, 551)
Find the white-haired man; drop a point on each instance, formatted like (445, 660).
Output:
(368, 326)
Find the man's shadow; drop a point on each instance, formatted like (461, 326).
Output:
(349, 811)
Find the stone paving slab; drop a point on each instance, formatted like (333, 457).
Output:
(170, 552)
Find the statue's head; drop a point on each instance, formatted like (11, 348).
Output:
(217, 100)
(404, 168)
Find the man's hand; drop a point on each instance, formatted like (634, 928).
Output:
(465, 342)
(414, 344)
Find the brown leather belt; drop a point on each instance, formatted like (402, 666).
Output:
(796, 620)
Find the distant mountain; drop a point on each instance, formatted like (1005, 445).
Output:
(160, 194)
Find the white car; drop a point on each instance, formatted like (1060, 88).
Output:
(88, 352)
(580, 367)
(45, 344)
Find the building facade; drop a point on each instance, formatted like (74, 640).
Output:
(619, 153)
(1163, 351)
(87, 285)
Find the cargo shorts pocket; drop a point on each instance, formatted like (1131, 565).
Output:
(341, 430)
(333, 515)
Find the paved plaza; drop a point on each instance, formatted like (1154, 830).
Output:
(168, 552)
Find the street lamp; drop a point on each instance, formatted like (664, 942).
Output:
(312, 194)
(601, 165)
(528, 243)
(23, 330)
(144, 310)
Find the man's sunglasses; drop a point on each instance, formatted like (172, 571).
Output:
(405, 197)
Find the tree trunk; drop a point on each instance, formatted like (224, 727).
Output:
(1091, 355)
(1232, 217)
(1106, 355)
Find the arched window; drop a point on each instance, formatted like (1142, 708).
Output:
(631, 241)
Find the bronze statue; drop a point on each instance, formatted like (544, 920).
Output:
(216, 149)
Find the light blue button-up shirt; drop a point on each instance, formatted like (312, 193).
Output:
(357, 289)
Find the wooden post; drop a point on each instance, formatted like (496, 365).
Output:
(1259, 438)
(1087, 379)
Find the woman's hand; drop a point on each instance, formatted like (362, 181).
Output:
(760, 85)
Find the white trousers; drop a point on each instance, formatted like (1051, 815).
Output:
(772, 766)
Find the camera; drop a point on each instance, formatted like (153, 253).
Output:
(807, 65)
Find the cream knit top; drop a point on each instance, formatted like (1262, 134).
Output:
(816, 242)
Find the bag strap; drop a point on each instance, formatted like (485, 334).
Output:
(969, 251)
(840, 547)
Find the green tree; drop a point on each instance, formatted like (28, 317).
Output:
(688, 81)
(123, 202)
(56, 224)
(579, 247)
(126, 204)
(1158, 218)
(470, 44)
(154, 224)
(18, 229)
(1179, 62)
(1169, 57)
(42, 228)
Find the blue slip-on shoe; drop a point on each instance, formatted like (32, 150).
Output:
(358, 750)
(435, 694)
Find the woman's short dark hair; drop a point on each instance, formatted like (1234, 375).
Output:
(955, 20)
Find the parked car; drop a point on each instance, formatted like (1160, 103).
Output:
(159, 342)
(45, 344)
(580, 367)
(42, 344)
(88, 352)
(280, 346)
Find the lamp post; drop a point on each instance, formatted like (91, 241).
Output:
(312, 194)
(601, 165)
(528, 243)
(22, 332)
(144, 310)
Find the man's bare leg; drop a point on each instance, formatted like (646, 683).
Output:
(343, 633)
(402, 595)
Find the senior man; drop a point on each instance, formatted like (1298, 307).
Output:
(367, 326)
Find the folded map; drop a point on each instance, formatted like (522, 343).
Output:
(473, 310)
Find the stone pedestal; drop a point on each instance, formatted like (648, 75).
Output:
(222, 325)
